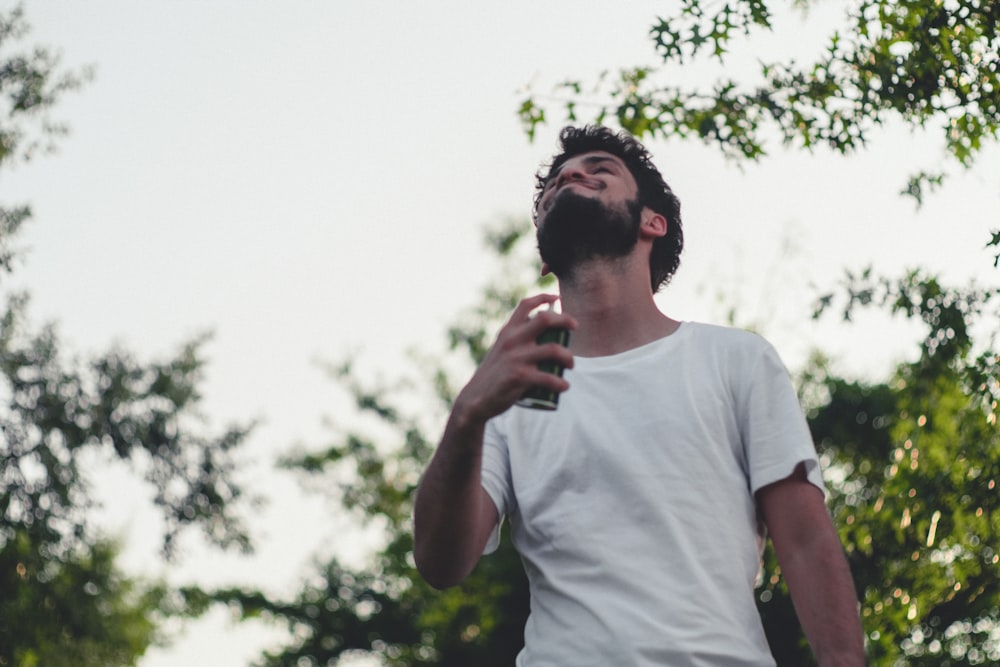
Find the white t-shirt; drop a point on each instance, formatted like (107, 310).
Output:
(632, 505)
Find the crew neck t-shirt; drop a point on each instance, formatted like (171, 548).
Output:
(632, 505)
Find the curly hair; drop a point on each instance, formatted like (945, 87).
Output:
(654, 192)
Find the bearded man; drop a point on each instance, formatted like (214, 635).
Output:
(641, 505)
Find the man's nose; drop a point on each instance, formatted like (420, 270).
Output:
(569, 174)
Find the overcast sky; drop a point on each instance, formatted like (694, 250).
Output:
(308, 179)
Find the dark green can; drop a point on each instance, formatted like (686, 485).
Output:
(542, 398)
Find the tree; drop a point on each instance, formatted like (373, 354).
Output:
(912, 464)
(63, 599)
(373, 466)
(912, 460)
(922, 62)
(909, 454)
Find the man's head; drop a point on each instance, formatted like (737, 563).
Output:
(651, 192)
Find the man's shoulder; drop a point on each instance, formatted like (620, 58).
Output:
(726, 336)
(739, 349)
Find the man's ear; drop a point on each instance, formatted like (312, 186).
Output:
(652, 223)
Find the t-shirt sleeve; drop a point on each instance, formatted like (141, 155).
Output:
(775, 434)
(496, 478)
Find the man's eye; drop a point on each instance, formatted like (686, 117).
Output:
(602, 170)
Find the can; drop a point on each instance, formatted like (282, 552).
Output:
(543, 398)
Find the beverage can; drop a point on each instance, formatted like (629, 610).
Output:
(543, 398)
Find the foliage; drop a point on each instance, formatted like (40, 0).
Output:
(917, 460)
(912, 463)
(385, 609)
(63, 601)
(74, 611)
(57, 414)
(926, 62)
(914, 459)
(31, 82)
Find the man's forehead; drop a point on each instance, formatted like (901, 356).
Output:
(589, 157)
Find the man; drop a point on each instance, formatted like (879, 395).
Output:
(640, 506)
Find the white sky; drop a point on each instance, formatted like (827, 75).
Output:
(306, 179)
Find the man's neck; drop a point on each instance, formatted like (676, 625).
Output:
(614, 307)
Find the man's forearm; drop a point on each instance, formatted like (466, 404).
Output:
(815, 569)
(825, 601)
(452, 515)
(449, 534)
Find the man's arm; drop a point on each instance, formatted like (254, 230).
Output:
(815, 569)
(453, 515)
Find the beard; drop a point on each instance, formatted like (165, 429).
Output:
(578, 229)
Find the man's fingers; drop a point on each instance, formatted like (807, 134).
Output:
(551, 352)
(522, 326)
(528, 304)
(511, 367)
(546, 320)
(548, 381)
(543, 319)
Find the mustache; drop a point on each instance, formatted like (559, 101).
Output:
(577, 228)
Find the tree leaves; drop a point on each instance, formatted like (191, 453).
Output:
(70, 611)
(914, 464)
(64, 600)
(923, 62)
(31, 82)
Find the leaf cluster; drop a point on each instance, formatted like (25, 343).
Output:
(63, 600)
(31, 82)
(76, 610)
(912, 467)
(912, 464)
(385, 609)
(924, 62)
(58, 414)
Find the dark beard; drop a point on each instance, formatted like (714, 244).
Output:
(577, 229)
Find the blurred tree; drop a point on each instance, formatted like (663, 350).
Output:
(925, 62)
(912, 465)
(912, 461)
(372, 470)
(62, 599)
(915, 457)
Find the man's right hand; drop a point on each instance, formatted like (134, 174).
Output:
(510, 368)
(453, 515)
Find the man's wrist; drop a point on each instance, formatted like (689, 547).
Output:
(467, 415)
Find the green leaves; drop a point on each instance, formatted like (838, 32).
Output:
(531, 116)
(57, 410)
(65, 602)
(75, 610)
(31, 82)
(923, 62)
(371, 469)
(913, 465)
(922, 183)
(696, 29)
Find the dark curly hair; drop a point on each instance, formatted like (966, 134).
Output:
(654, 192)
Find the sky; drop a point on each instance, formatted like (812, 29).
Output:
(307, 180)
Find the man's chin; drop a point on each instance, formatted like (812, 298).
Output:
(569, 204)
(578, 228)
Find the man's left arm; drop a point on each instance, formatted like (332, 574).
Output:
(815, 569)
